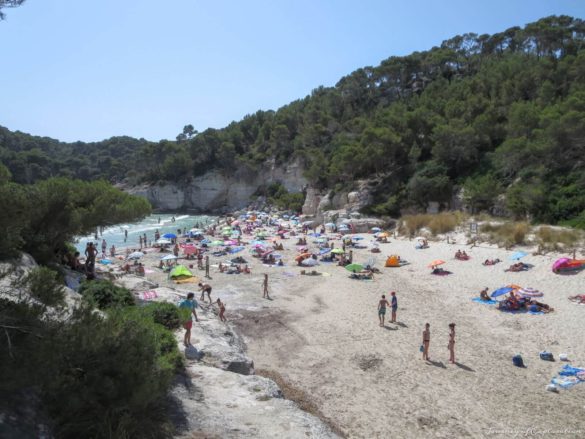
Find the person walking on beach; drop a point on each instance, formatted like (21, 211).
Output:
(104, 248)
(191, 304)
(451, 345)
(426, 341)
(265, 287)
(125, 234)
(205, 288)
(221, 306)
(394, 306)
(140, 240)
(207, 267)
(382, 309)
(113, 251)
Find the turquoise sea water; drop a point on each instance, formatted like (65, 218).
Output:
(162, 222)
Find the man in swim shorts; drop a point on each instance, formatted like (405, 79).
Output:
(382, 309)
(191, 304)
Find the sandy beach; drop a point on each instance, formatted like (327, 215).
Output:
(321, 336)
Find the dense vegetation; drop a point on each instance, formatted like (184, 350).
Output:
(42, 218)
(494, 114)
(88, 375)
(80, 372)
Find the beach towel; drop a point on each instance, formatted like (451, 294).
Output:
(148, 295)
(568, 376)
(522, 311)
(484, 302)
(188, 280)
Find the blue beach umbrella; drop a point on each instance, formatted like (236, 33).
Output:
(502, 291)
(518, 255)
(169, 236)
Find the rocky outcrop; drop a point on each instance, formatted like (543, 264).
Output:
(318, 203)
(216, 403)
(219, 191)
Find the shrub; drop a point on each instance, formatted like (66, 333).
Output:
(508, 234)
(104, 294)
(110, 376)
(550, 238)
(445, 222)
(438, 223)
(163, 313)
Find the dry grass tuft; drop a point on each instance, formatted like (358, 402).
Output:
(507, 234)
(439, 223)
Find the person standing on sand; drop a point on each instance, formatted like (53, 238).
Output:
(451, 345)
(394, 306)
(205, 288)
(265, 287)
(140, 240)
(426, 341)
(125, 234)
(207, 267)
(191, 304)
(382, 309)
(113, 251)
(104, 248)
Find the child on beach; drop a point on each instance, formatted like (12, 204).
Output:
(221, 306)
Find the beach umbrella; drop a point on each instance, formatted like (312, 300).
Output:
(216, 243)
(354, 267)
(230, 242)
(357, 238)
(163, 241)
(135, 255)
(376, 229)
(194, 230)
(501, 291)
(324, 251)
(308, 223)
(530, 292)
(169, 236)
(330, 225)
(310, 262)
(168, 257)
(518, 255)
(436, 262)
(337, 251)
(315, 235)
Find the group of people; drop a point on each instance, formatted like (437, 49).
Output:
(518, 266)
(516, 302)
(461, 255)
(383, 304)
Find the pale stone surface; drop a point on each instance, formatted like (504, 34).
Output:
(217, 403)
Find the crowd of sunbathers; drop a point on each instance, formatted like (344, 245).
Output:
(515, 302)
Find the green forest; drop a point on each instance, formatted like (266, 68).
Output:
(492, 114)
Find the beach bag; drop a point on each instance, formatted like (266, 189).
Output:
(546, 356)
(517, 360)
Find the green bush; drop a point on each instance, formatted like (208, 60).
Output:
(110, 376)
(163, 313)
(104, 294)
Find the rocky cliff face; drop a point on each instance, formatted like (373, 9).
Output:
(217, 192)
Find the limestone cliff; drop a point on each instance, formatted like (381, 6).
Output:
(216, 191)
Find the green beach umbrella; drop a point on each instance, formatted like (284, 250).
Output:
(337, 251)
(354, 267)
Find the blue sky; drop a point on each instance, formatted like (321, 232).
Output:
(89, 70)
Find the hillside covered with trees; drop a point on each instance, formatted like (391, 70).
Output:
(494, 114)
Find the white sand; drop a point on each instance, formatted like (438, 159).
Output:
(321, 334)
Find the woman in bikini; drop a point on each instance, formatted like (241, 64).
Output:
(426, 341)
